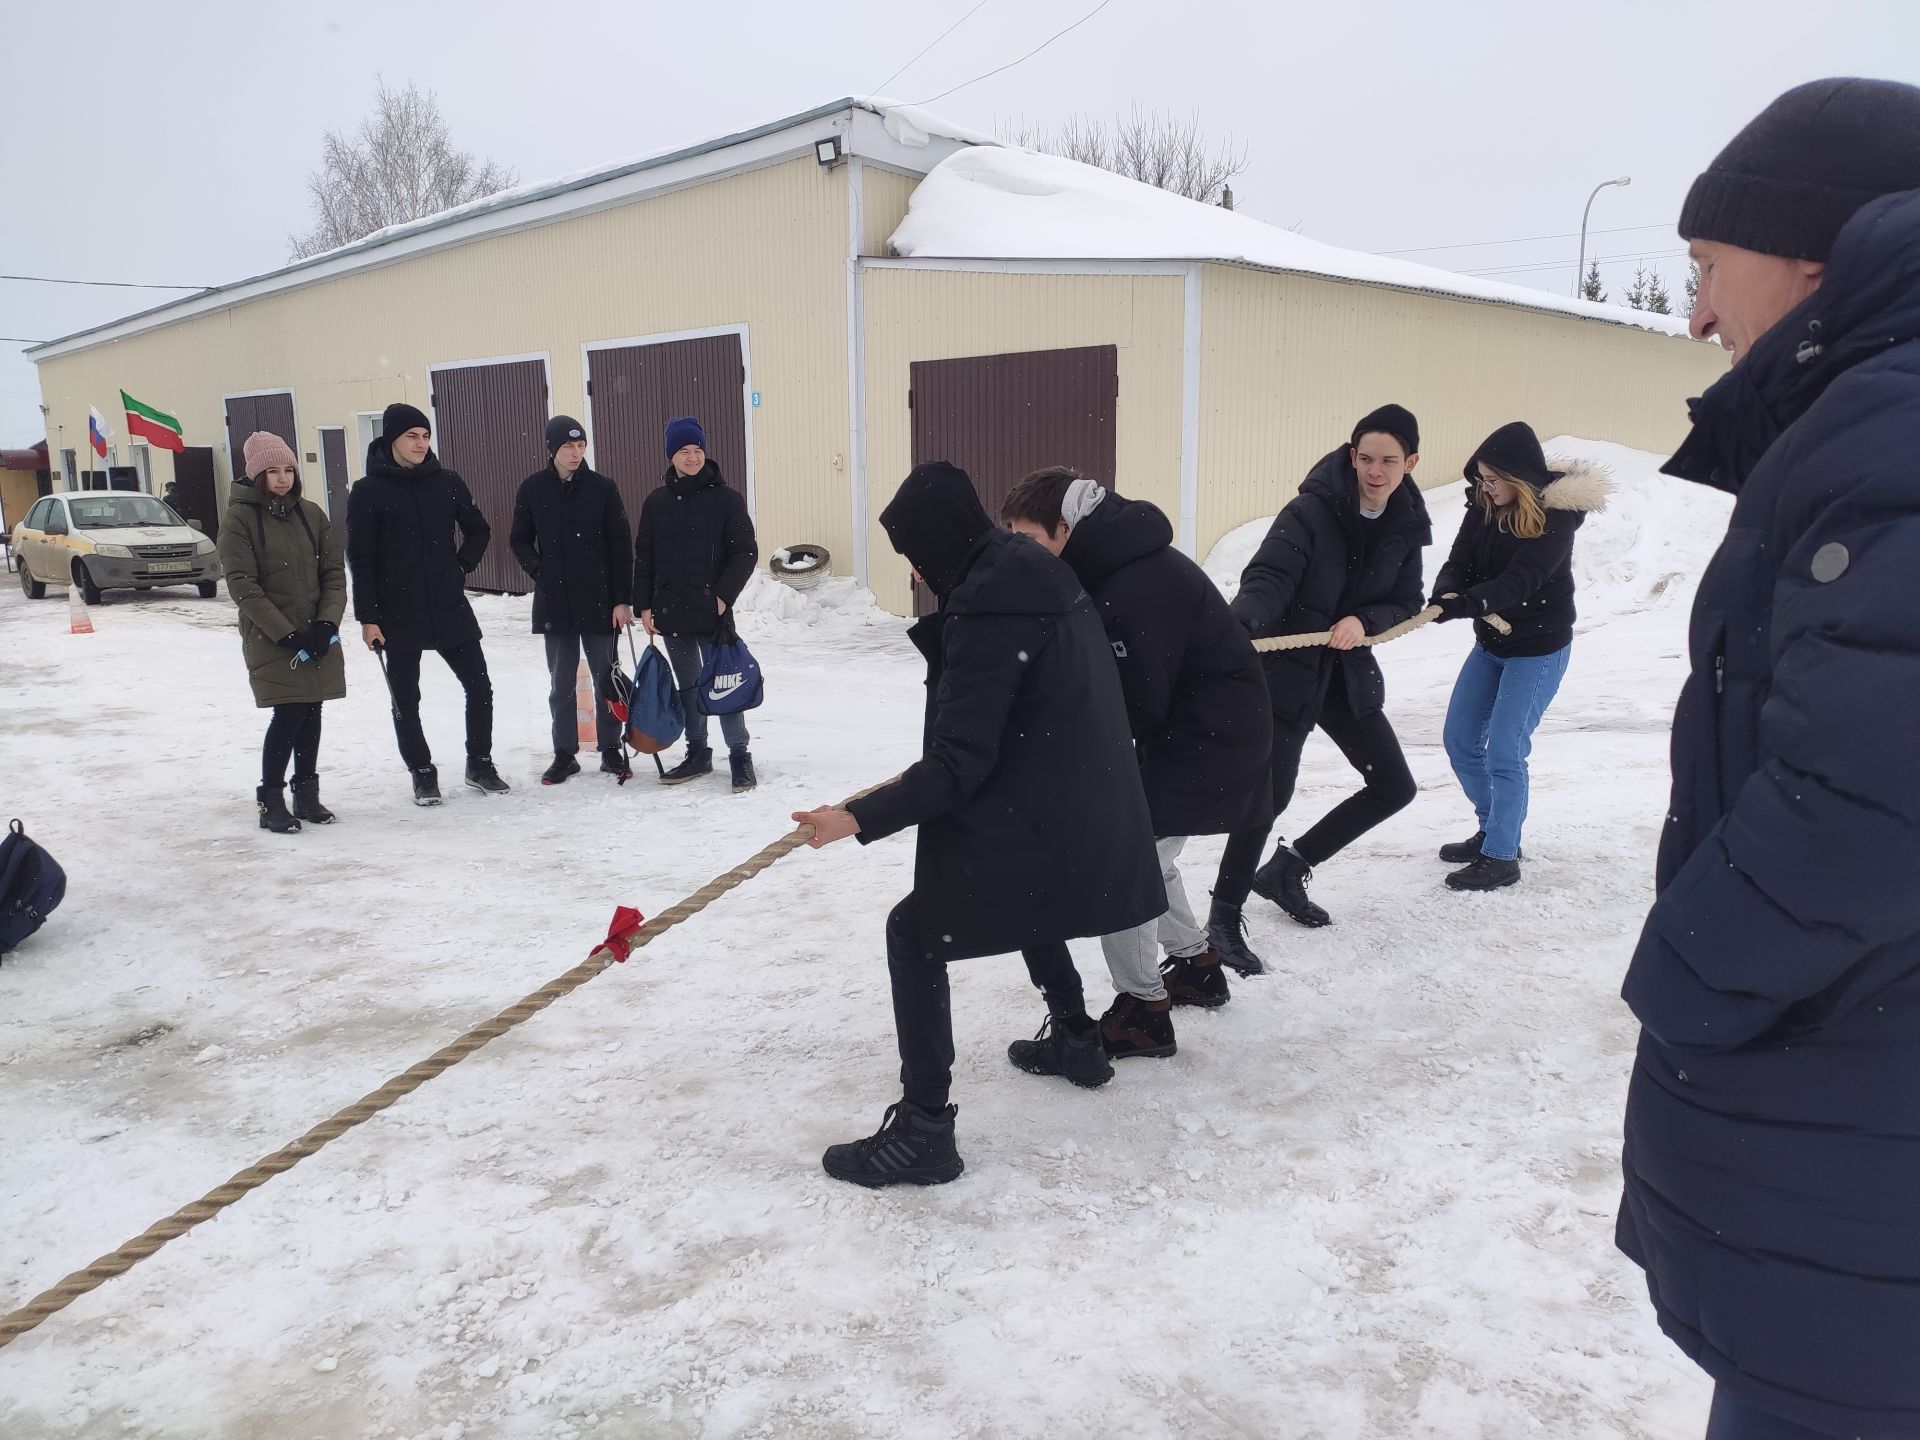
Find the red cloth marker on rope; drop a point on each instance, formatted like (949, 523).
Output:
(626, 920)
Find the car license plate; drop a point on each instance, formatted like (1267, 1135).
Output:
(169, 567)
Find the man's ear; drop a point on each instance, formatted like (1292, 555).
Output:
(1412, 460)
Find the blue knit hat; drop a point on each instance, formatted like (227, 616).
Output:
(682, 431)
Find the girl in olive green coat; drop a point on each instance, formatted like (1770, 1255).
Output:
(285, 568)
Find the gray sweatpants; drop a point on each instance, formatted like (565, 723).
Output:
(1133, 956)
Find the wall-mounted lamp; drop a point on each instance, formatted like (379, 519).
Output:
(827, 151)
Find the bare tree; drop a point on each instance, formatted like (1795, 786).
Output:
(1142, 145)
(399, 167)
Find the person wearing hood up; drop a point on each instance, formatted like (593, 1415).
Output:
(1513, 558)
(409, 589)
(570, 536)
(1344, 555)
(281, 557)
(1772, 1157)
(1202, 727)
(1033, 827)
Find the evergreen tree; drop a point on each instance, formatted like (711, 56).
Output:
(1637, 292)
(1693, 285)
(1590, 288)
(1658, 301)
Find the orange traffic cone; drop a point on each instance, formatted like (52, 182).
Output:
(79, 621)
(587, 730)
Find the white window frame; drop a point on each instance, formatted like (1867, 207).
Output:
(667, 337)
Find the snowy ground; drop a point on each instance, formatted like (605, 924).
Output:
(1371, 1197)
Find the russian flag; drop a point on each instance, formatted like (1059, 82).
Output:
(97, 432)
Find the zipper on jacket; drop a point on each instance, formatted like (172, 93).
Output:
(1720, 674)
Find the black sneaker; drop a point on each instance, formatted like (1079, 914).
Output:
(271, 801)
(1134, 1027)
(562, 767)
(744, 779)
(1486, 873)
(1196, 980)
(912, 1147)
(426, 786)
(1227, 934)
(1283, 880)
(483, 777)
(306, 802)
(1465, 852)
(614, 763)
(1069, 1048)
(692, 767)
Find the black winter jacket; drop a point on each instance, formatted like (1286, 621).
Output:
(1033, 825)
(1315, 568)
(1773, 1122)
(695, 543)
(1196, 698)
(1527, 583)
(408, 578)
(571, 537)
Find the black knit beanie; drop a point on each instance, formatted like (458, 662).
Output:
(1514, 450)
(396, 420)
(1394, 420)
(562, 430)
(1788, 183)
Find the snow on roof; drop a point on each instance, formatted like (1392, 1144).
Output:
(1001, 203)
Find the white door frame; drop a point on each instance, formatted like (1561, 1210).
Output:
(234, 462)
(587, 347)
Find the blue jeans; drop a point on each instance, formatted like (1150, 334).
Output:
(687, 656)
(1490, 722)
(1732, 1420)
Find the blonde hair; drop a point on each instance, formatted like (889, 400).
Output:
(1524, 517)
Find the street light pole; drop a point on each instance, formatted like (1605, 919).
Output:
(1580, 274)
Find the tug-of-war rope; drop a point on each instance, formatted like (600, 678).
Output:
(628, 933)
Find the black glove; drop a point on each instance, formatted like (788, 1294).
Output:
(294, 640)
(318, 637)
(1459, 607)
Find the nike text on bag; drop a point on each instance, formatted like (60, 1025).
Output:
(654, 717)
(730, 681)
(31, 885)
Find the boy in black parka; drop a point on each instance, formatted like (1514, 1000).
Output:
(1033, 828)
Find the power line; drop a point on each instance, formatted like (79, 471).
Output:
(115, 284)
(917, 59)
(1023, 59)
(20, 340)
(1526, 239)
(1562, 265)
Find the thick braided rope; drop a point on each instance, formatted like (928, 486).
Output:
(1405, 627)
(80, 1282)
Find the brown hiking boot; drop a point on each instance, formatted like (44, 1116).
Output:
(1196, 979)
(1134, 1027)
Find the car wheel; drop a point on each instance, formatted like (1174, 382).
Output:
(207, 588)
(89, 591)
(35, 590)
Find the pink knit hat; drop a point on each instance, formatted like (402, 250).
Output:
(262, 451)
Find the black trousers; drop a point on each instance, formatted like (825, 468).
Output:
(923, 1008)
(293, 733)
(469, 665)
(1371, 748)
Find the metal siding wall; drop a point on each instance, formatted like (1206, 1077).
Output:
(883, 207)
(638, 388)
(916, 314)
(1289, 362)
(490, 424)
(766, 249)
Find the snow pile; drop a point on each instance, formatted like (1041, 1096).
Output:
(1644, 551)
(999, 203)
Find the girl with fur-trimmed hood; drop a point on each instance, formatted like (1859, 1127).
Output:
(1512, 558)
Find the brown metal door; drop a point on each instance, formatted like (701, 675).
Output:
(248, 413)
(635, 389)
(1001, 417)
(196, 497)
(333, 466)
(490, 427)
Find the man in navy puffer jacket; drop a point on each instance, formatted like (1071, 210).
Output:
(1772, 1158)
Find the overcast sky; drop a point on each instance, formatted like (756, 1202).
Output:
(176, 147)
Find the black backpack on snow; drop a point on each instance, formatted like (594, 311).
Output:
(31, 885)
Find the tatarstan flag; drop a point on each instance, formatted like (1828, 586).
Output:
(147, 423)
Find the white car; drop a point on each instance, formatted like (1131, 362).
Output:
(111, 540)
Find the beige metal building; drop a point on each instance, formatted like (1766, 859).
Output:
(752, 281)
